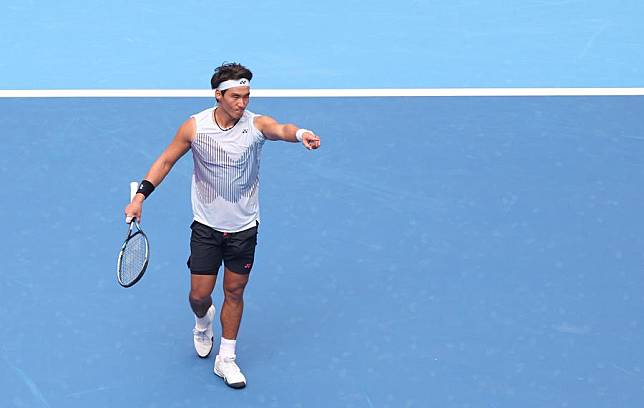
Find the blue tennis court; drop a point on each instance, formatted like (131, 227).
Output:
(434, 252)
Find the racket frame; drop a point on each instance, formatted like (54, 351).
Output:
(134, 186)
(130, 235)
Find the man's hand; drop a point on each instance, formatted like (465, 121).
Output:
(134, 209)
(310, 141)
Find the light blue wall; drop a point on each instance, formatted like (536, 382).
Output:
(332, 43)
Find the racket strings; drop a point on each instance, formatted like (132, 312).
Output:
(133, 259)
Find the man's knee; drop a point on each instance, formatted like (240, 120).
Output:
(200, 305)
(234, 292)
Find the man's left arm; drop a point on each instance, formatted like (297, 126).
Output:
(273, 130)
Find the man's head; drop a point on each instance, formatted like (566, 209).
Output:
(231, 82)
(228, 71)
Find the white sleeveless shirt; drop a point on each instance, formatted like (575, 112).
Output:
(225, 181)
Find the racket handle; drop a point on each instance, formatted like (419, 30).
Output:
(134, 187)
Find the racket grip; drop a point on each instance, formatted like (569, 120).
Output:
(134, 186)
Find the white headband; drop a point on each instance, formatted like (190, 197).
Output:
(233, 83)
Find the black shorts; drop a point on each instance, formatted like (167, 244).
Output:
(208, 247)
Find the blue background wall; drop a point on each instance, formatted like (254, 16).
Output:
(331, 44)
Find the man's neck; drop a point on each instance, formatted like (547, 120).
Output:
(223, 120)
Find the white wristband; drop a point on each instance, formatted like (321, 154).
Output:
(300, 132)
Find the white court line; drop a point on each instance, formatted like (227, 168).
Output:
(317, 93)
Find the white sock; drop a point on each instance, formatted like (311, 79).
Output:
(203, 322)
(227, 348)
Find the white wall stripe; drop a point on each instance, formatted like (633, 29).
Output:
(316, 93)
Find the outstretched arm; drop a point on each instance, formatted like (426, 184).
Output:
(273, 130)
(162, 166)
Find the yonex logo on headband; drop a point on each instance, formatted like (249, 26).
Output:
(233, 83)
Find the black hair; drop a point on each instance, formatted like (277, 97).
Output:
(228, 71)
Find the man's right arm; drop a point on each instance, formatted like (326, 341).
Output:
(162, 165)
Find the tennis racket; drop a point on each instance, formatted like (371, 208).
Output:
(134, 254)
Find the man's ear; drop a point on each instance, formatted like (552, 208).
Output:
(218, 95)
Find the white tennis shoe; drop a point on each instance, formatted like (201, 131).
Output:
(226, 368)
(203, 337)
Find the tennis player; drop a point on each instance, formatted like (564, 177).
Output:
(226, 142)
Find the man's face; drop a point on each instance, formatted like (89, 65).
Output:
(235, 100)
